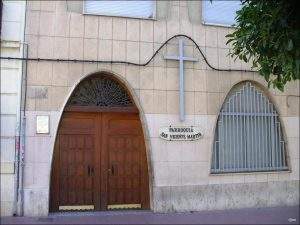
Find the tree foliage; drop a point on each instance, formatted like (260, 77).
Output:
(267, 33)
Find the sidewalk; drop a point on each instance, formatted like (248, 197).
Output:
(276, 215)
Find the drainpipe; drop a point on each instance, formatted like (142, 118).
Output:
(18, 209)
(22, 134)
(16, 165)
(20, 141)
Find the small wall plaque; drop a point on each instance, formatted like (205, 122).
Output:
(42, 124)
(180, 133)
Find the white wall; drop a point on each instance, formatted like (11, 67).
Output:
(12, 36)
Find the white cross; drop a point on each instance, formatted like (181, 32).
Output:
(181, 58)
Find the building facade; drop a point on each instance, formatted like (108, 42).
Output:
(85, 95)
(12, 38)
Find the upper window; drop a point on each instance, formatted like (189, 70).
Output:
(220, 12)
(248, 134)
(136, 9)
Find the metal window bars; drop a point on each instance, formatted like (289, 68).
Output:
(248, 135)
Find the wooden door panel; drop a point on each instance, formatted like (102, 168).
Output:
(78, 123)
(124, 147)
(75, 155)
(109, 144)
(124, 162)
(123, 125)
(74, 190)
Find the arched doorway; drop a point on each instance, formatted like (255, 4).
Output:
(99, 159)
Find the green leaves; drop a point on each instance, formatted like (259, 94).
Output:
(268, 35)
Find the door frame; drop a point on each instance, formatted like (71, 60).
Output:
(138, 108)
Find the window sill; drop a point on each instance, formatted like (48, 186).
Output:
(250, 173)
(218, 25)
(124, 17)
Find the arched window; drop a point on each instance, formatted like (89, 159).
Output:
(100, 91)
(248, 134)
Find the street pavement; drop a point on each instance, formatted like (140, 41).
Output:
(275, 215)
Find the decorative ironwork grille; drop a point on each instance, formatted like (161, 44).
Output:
(100, 91)
(248, 134)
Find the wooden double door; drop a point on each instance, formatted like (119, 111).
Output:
(99, 163)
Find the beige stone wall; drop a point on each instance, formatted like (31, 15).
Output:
(53, 32)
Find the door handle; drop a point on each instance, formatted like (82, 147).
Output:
(90, 170)
(111, 170)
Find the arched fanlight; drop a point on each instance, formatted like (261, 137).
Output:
(100, 91)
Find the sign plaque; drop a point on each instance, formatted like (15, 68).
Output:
(42, 124)
(180, 133)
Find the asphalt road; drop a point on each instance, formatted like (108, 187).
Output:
(276, 215)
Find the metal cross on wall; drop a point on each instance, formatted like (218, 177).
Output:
(181, 58)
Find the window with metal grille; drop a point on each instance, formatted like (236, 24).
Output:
(248, 134)
(135, 9)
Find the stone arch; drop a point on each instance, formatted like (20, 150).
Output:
(120, 79)
(265, 92)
